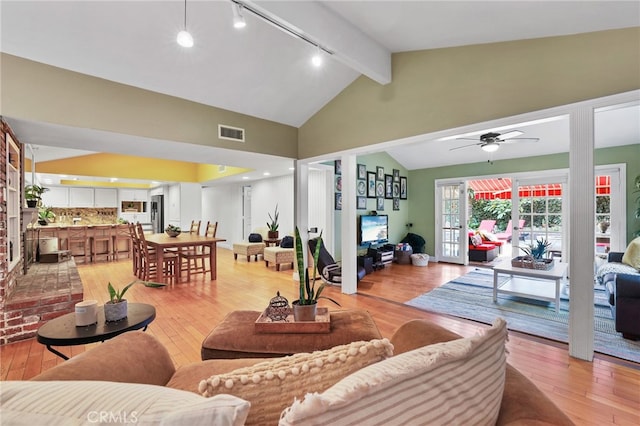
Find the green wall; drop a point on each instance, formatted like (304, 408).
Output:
(446, 88)
(421, 198)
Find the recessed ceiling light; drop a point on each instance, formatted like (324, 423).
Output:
(292, 168)
(113, 179)
(267, 174)
(245, 177)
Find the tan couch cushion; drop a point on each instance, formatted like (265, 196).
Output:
(271, 386)
(631, 255)
(456, 382)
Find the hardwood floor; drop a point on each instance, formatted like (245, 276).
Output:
(603, 392)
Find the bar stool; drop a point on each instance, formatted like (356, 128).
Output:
(121, 233)
(77, 238)
(102, 242)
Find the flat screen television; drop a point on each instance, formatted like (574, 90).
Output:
(373, 229)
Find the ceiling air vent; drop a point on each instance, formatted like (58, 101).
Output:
(230, 133)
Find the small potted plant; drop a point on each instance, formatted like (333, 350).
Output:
(33, 194)
(116, 308)
(273, 224)
(535, 254)
(304, 308)
(172, 230)
(45, 215)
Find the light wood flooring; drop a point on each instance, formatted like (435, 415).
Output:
(603, 392)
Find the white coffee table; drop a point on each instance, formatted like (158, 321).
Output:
(541, 289)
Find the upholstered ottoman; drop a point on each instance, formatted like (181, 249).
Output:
(278, 255)
(235, 336)
(483, 253)
(248, 249)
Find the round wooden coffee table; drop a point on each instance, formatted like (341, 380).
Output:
(62, 331)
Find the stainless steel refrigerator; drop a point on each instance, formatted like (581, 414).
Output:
(157, 213)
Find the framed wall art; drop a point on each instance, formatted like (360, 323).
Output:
(396, 175)
(388, 186)
(361, 203)
(361, 187)
(338, 200)
(380, 188)
(371, 184)
(380, 203)
(337, 167)
(396, 204)
(396, 189)
(380, 173)
(362, 171)
(403, 188)
(338, 183)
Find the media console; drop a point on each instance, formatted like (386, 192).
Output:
(381, 256)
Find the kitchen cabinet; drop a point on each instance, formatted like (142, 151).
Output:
(56, 196)
(105, 197)
(134, 195)
(80, 197)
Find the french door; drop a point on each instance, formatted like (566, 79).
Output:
(540, 206)
(451, 241)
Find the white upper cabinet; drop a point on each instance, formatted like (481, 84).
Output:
(106, 197)
(56, 196)
(134, 195)
(80, 197)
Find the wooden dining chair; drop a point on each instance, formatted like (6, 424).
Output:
(195, 227)
(196, 257)
(150, 261)
(136, 250)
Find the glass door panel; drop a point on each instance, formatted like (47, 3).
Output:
(451, 244)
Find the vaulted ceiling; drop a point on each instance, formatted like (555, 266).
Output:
(261, 70)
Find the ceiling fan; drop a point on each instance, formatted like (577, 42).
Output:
(491, 141)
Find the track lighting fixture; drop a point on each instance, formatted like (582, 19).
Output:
(238, 18)
(185, 39)
(317, 57)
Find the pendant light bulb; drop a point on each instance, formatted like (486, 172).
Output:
(185, 39)
(238, 18)
(316, 60)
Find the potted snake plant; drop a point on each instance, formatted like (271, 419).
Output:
(273, 224)
(305, 307)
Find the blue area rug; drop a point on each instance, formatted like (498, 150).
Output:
(471, 297)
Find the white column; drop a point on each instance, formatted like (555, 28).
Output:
(581, 233)
(349, 238)
(301, 204)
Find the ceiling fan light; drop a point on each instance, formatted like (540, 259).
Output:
(490, 147)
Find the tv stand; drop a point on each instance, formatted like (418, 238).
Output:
(381, 255)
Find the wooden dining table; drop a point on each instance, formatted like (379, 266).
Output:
(161, 242)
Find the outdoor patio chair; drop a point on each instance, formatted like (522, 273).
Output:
(506, 235)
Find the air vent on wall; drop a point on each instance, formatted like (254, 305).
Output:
(230, 133)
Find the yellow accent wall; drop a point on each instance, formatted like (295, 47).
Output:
(132, 167)
(446, 88)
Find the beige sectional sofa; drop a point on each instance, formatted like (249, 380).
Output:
(424, 382)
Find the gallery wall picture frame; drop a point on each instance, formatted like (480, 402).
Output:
(361, 187)
(380, 173)
(388, 186)
(338, 183)
(361, 203)
(380, 188)
(396, 189)
(396, 204)
(396, 175)
(403, 187)
(380, 203)
(338, 196)
(362, 171)
(371, 184)
(337, 167)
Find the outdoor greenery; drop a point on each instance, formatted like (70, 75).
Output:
(531, 209)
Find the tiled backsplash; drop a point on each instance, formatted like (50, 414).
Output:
(87, 215)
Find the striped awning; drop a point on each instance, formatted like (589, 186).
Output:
(500, 188)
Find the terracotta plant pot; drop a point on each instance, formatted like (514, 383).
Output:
(304, 312)
(115, 311)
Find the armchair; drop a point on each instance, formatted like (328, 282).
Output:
(330, 271)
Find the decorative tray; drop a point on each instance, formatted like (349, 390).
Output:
(322, 324)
